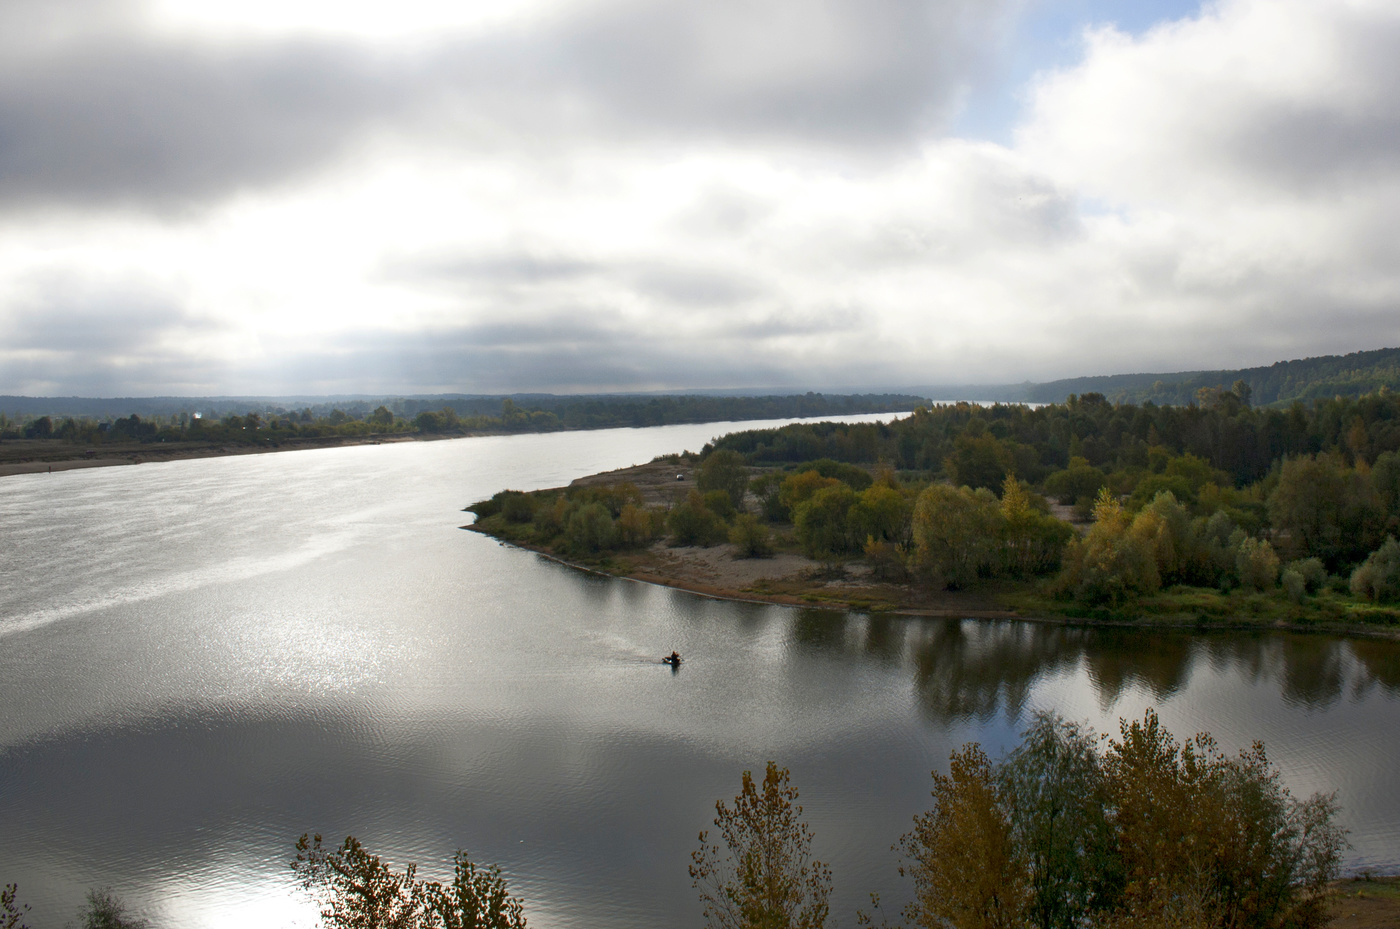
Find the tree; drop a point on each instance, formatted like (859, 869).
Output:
(381, 417)
(750, 538)
(764, 877)
(1054, 787)
(590, 528)
(357, 890)
(1220, 833)
(1256, 564)
(967, 870)
(12, 913)
(955, 530)
(799, 488)
(1378, 577)
(693, 523)
(476, 899)
(879, 512)
(105, 911)
(1033, 540)
(821, 522)
(1112, 562)
(724, 470)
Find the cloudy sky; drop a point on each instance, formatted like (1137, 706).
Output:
(399, 196)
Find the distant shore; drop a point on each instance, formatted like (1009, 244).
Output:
(37, 456)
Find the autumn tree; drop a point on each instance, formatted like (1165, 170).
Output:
(1054, 789)
(750, 538)
(724, 470)
(962, 855)
(761, 874)
(955, 532)
(11, 911)
(1220, 833)
(822, 522)
(358, 890)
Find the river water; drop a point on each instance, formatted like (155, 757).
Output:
(201, 660)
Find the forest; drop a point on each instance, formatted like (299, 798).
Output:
(270, 426)
(1086, 507)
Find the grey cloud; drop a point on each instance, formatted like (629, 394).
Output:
(152, 125)
(563, 352)
(103, 339)
(122, 117)
(1351, 136)
(674, 283)
(692, 286)
(107, 322)
(836, 71)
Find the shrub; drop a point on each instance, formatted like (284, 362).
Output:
(821, 522)
(724, 471)
(1378, 577)
(750, 538)
(693, 523)
(1294, 584)
(516, 507)
(590, 528)
(1312, 571)
(636, 526)
(1256, 564)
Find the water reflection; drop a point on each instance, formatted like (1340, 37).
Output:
(966, 670)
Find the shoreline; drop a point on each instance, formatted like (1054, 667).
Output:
(13, 459)
(980, 611)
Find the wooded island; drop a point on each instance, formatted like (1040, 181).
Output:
(1214, 513)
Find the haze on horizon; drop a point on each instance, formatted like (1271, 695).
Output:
(326, 196)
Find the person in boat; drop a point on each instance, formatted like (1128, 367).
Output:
(673, 658)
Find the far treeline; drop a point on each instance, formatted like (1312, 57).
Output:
(1212, 511)
(272, 425)
(1065, 832)
(1278, 384)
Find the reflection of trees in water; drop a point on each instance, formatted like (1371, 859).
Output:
(1313, 672)
(1116, 658)
(1380, 664)
(976, 670)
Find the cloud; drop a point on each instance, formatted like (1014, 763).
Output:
(616, 195)
(105, 336)
(1252, 99)
(107, 110)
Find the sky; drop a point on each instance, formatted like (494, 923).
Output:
(274, 197)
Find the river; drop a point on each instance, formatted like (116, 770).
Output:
(201, 660)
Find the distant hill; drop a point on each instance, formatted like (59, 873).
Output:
(1278, 384)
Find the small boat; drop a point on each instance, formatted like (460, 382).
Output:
(672, 659)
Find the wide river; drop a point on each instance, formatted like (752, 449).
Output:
(201, 660)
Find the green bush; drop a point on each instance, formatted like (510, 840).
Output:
(750, 538)
(1294, 584)
(1256, 564)
(1378, 577)
(821, 522)
(591, 528)
(691, 522)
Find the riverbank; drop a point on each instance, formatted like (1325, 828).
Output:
(40, 456)
(1366, 902)
(790, 578)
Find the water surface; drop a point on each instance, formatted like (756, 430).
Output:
(201, 660)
